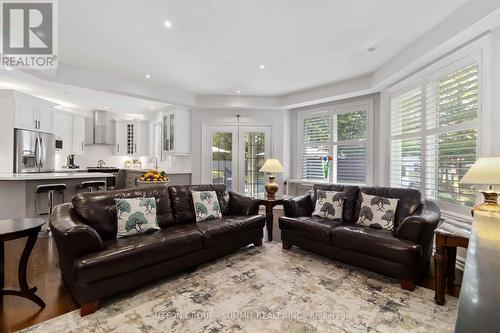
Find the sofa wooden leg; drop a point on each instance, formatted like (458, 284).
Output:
(88, 308)
(407, 284)
(258, 243)
(286, 245)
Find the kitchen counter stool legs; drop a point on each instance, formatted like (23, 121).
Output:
(50, 189)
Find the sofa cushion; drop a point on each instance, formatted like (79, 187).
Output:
(376, 243)
(377, 212)
(182, 200)
(329, 204)
(206, 205)
(350, 208)
(409, 200)
(220, 231)
(123, 255)
(136, 216)
(98, 210)
(315, 228)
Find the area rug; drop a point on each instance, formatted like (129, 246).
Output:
(267, 289)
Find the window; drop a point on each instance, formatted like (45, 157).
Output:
(434, 135)
(342, 133)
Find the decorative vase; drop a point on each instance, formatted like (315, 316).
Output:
(325, 166)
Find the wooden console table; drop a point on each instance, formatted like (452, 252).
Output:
(448, 238)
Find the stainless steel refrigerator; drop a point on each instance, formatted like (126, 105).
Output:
(33, 151)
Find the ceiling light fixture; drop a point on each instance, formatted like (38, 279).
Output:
(8, 69)
(151, 108)
(262, 66)
(167, 24)
(105, 108)
(238, 92)
(148, 76)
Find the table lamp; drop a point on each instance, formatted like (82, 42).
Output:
(486, 171)
(271, 166)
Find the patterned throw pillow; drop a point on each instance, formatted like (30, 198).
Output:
(206, 205)
(377, 212)
(135, 216)
(329, 204)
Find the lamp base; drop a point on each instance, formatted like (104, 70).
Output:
(271, 188)
(490, 202)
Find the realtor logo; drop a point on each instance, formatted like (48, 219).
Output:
(29, 34)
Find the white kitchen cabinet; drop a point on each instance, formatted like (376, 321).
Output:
(131, 137)
(176, 131)
(63, 125)
(78, 135)
(32, 113)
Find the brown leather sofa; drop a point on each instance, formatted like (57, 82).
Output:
(403, 253)
(95, 264)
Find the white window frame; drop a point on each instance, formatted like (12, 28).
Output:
(332, 110)
(472, 53)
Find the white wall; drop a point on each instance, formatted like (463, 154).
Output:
(278, 119)
(295, 140)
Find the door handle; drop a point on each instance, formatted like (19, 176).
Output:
(37, 152)
(82, 146)
(42, 153)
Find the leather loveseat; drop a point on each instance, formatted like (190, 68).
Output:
(403, 253)
(95, 264)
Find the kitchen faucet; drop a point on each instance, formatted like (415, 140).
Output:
(100, 163)
(155, 158)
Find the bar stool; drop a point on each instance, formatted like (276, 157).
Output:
(91, 185)
(50, 189)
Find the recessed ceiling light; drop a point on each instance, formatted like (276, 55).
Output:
(371, 49)
(105, 108)
(151, 108)
(262, 66)
(167, 24)
(238, 92)
(148, 76)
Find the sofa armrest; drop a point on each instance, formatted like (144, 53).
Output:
(419, 227)
(73, 237)
(242, 205)
(298, 206)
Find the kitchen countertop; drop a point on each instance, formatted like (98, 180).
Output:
(51, 175)
(174, 172)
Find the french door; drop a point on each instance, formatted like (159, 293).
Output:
(235, 154)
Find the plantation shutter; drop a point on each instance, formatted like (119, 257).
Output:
(406, 145)
(434, 136)
(316, 141)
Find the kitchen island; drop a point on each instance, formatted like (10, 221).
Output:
(17, 191)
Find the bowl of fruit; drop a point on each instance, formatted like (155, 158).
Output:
(153, 178)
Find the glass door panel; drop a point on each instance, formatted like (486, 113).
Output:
(222, 164)
(254, 150)
(234, 155)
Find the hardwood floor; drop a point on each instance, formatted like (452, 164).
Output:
(17, 313)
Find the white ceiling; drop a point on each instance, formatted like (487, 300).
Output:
(216, 46)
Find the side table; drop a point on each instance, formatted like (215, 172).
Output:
(13, 229)
(448, 238)
(270, 204)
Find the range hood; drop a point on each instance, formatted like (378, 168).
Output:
(102, 129)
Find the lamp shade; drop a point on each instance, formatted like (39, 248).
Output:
(486, 171)
(272, 165)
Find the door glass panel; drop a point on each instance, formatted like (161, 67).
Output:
(222, 158)
(255, 156)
